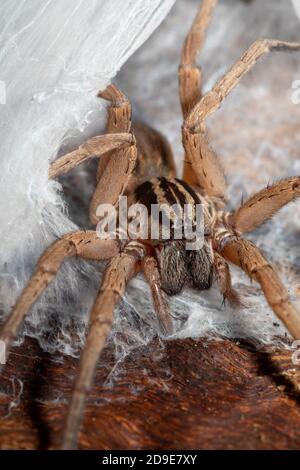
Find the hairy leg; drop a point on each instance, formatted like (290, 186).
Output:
(118, 119)
(118, 273)
(84, 244)
(203, 159)
(264, 204)
(190, 76)
(189, 73)
(94, 147)
(212, 100)
(247, 256)
(151, 273)
(115, 168)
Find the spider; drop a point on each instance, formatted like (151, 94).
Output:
(136, 161)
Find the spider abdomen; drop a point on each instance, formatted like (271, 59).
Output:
(180, 263)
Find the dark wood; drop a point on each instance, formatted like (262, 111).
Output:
(179, 394)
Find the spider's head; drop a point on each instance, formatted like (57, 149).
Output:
(178, 264)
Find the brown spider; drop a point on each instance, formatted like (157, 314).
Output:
(137, 161)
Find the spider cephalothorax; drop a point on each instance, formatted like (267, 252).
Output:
(136, 162)
(178, 263)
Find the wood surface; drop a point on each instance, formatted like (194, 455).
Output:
(193, 394)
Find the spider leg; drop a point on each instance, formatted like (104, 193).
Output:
(204, 161)
(118, 273)
(223, 278)
(214, 98)
(264, 204)
(247, 256)
(189, 73)
(190, 76)
(94, 147)
(118, 119)
(201, 166)
(85, 244)
(116, 167)
(151, 273)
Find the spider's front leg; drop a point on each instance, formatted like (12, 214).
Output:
(201, 163)
(190, 81)
(247, 256)
(205, 163)
(118, 119)
(117, 149)
(190, 77)
(84, 244)
(118, 273)
(116, 167)
(94, 147)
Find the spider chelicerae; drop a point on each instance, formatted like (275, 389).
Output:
(136, 161)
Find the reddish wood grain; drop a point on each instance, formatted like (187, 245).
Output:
(187, 394)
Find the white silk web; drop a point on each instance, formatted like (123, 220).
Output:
(53, 59)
